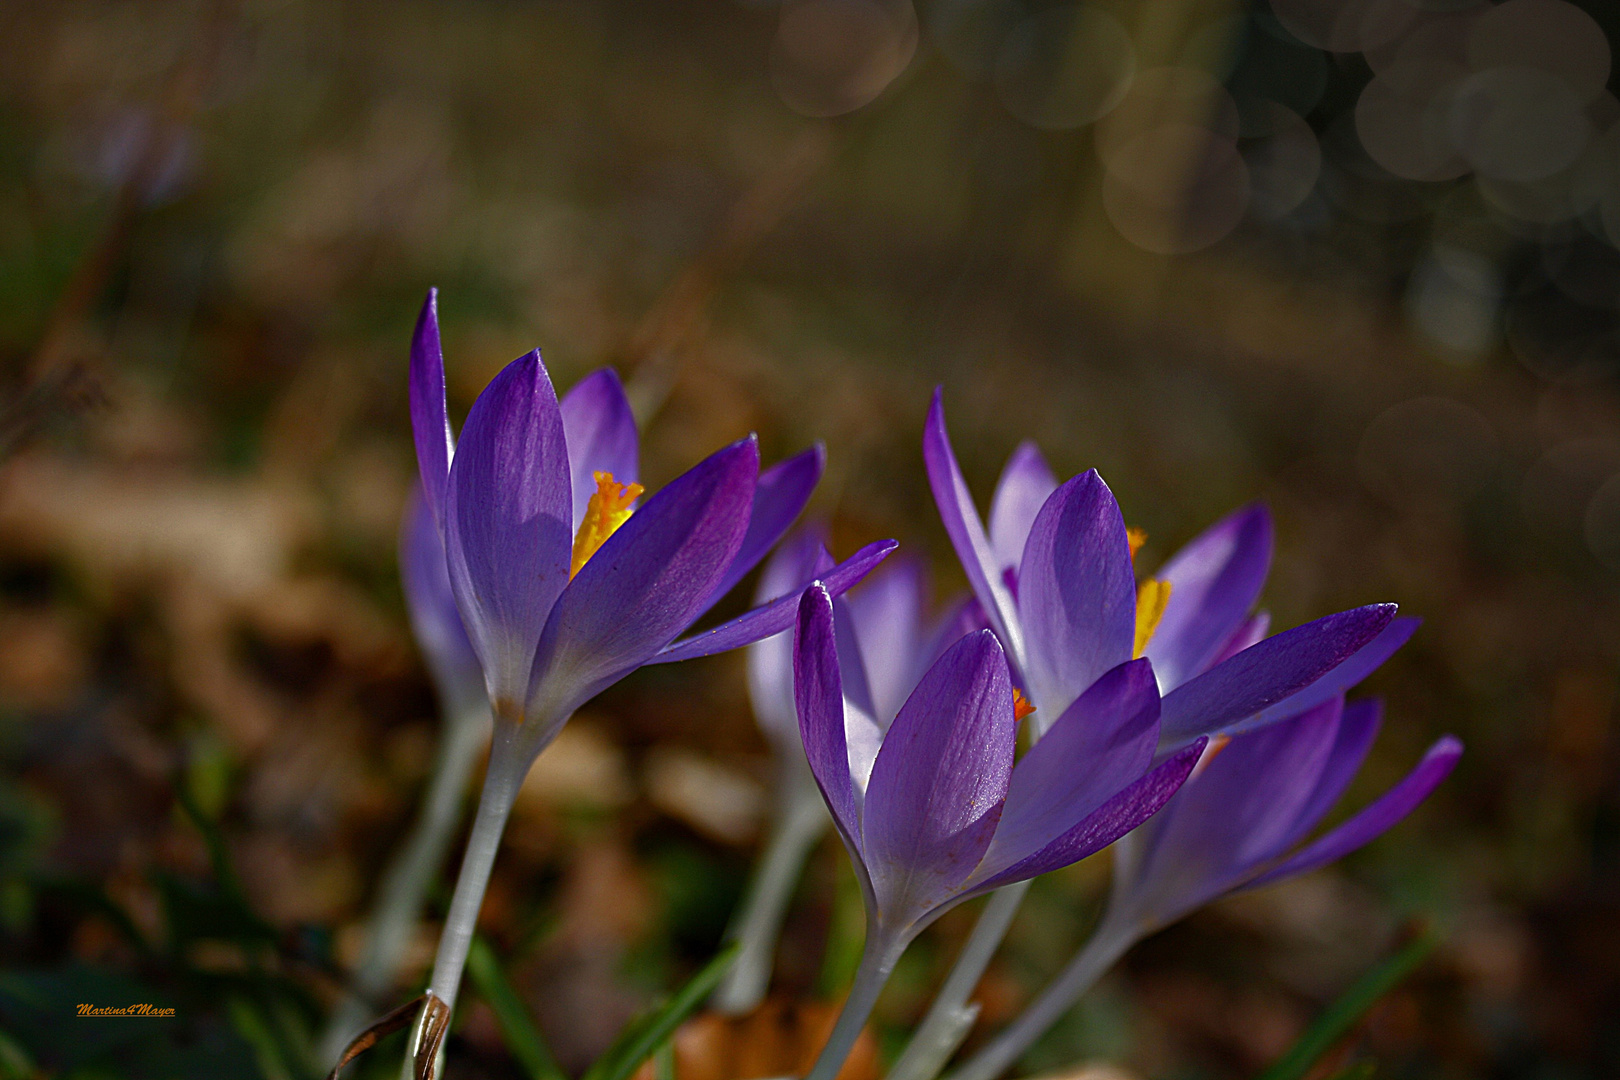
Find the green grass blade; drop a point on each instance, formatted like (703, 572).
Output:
(522, 1037)
(1343, 1013)
(643, 1037)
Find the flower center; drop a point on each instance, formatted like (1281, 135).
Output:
(1021, 705)
(609, 508)
(1151, 598)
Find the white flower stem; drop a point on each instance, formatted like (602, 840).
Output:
(950, 1017)
(1107, 945)
(510, 756)
(413, 869)
(799, 822)
(878, 958)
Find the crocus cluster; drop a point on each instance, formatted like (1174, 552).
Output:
(1161, 714)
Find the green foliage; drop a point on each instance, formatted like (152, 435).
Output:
(523, 1038)
(642, 1037)
(1343, 1013)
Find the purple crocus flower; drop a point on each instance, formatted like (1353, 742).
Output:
(1054, 573)
(565, 586)
(1240, 822)
(435, 621)
(934, 811)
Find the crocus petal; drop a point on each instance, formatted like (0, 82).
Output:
(1098, 747)
(780, 496)
(1252, 632)
(601, 434)
(1076, 593)
(1025, 485)
(1214, 581)
(939, 780)
(1366, 660)
(648, 581)
(1235, 813)
(1118, 816)
(1271, 671)
(432, 608)
(799, 560)
(818, 691)
(1358, 727)
(430, 419)
(887, 612)
(966, 531)
(857, 688)
(1376, 819)
(776, 616)
(508, 522)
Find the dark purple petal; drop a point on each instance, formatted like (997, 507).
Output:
(1376, 819)
(432, 607)
(1025, 485)
(966, 531)
(1358, 727)
(601, 435)
(937, 786)
(1366, 660)
(783, 490)
(799, 560)
(1252, 632)
(1099, 746)
(1236, 812)
(1221, 699)
(1076, 593)
(1118, 816)
(818, 692)
(508, 531)
(887, 612)
(651, 577)
(430, 419)
(1214, 582)
(776, 616)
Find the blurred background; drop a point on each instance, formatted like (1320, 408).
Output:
(1356, 258)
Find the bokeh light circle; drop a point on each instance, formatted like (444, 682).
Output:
(1427, 453)
(1549, 35)
(831, 57)
(1175, 188)
(1065, 67)
(1283, 163)
(1518, 123)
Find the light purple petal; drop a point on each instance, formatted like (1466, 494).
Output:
(939, 780)
(1376, 819)
(1025, 485)
(649, 580)
(1076, 593)
(1252, 632)
(1118, 816)
(432, 607)
(1358, 727)
(851, 650)
(1366, 660)
(601, 435)
(508, 530)
(1234, 813)
(1098, 747)
(430, 419)
(887, 612)
(1221, 699)
(799, 560)
(819, 693)
(783, 490)
(961, 617)
(776, 616)
(966, 531)
(1214, 582)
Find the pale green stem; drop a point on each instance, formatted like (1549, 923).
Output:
(510, 756)
(878, 958)
(1107, 945)
(414, 868)
(950, 1017)
(798, 824)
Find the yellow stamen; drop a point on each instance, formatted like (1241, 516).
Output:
(1136, 538)
(609, 508)
(1021, 705)
(1151, 598)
